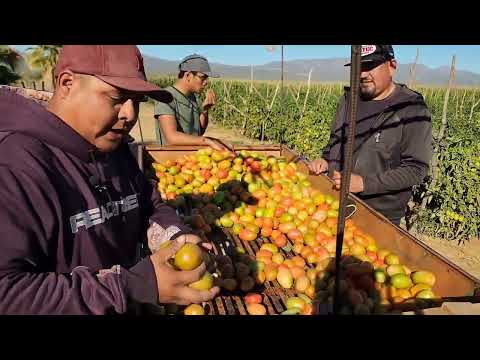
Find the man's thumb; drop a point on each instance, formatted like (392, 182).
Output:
(170, 250)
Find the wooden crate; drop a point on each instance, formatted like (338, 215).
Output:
(452, 281)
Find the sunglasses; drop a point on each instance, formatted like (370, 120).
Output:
(202, 77)
(370, 65)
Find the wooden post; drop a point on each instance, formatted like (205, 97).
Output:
(457, 96)
(224, 103)
(251, 78)
(306, 95)
(269, 109)
(445, 103)
(282, 71)
(34, 85)
(411, 82)
(472, 109)
(463, 101)
(441, 133)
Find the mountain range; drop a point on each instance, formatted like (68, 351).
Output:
(323, 70)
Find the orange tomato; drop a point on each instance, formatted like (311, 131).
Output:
(256, 309)
(261, 253)
(297, 272)
(297, 247)
(286, 227)
(283, 266)
(275, 234)
(324, 207)
(321, 238)
(289, 263)
(267, 260)
(279, 211)
(307, 250)
(267, 222)
(280, 241)
(287, 202)
(331, 222)
(308, 310)
(310, 292)
(266, 231)
(312, 258)
(252, 298)
(259, 221)
(299, 261)
(294, 235)
(322, 253)
(247, 235)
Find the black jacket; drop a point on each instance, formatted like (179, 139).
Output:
(394, 156)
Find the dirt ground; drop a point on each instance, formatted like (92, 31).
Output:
(466, 256)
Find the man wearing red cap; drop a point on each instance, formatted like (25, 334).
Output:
(74, 206)
(393, 137)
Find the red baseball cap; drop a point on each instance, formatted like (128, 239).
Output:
(118, 65)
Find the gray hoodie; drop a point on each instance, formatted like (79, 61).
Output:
(395, 155)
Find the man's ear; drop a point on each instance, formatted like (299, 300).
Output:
(64, 83)
(392, 66)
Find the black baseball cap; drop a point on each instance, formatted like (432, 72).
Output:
(197, 63)
(376, 54)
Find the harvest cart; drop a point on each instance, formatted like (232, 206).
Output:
(453, 284)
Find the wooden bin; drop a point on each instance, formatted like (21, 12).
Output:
(452, 281)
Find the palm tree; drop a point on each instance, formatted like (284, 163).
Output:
(44, 58)
(9, 59)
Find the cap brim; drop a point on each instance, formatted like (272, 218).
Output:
(138, 85)
(380, 59)
(361, 62)
(212, 75)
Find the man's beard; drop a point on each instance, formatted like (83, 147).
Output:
(367, 92)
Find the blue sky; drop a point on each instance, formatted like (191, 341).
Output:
(468, 56)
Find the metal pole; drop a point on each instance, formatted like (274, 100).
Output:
(282, 68)
(347, 168)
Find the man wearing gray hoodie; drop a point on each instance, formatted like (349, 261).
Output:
(393, 137)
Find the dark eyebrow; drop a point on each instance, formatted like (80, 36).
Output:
(122, 94)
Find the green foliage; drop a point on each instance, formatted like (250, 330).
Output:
(303, 123)
(43, 58)
(8, 61)
(452, 210)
